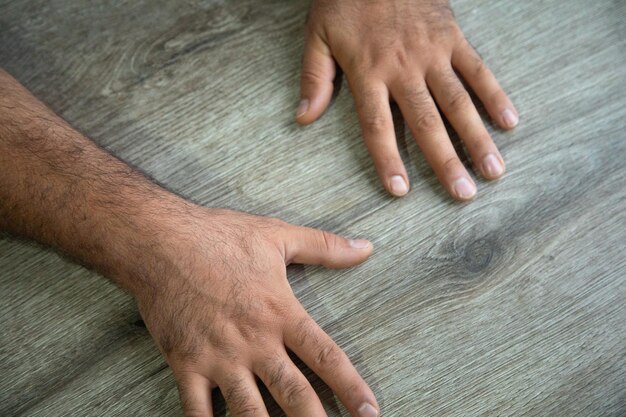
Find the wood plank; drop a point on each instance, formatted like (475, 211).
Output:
(511, 305)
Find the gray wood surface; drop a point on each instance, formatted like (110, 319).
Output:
(513, 305)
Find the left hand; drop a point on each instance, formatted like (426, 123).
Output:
(408, 50)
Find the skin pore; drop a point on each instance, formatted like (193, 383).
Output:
(211, 284)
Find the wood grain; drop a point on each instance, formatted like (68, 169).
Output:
(513, 305)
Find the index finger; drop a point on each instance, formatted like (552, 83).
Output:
(320, 353)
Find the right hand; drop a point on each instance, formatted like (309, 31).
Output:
(218, 304)
(409, 51)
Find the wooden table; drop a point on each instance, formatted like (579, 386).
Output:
(514, 304)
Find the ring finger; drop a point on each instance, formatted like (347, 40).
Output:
(289, 387)
(242, 394)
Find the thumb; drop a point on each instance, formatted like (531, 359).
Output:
(304, 245)
(316, 80)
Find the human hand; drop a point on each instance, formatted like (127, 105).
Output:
(210, 285)
(218, 304)
(408, 51)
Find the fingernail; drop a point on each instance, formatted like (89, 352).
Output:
(359, 243)
(303, 107)
(509, 118)
(398, 186)
(367, 410)
(492, 166)
(464, 189)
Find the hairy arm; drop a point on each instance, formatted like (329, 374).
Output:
(210, 284)
(63, 190)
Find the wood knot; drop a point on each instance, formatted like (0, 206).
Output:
(478, 254)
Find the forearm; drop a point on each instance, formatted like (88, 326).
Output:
(61, 189)
(210, 284)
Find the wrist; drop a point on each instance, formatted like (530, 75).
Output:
(146, 238)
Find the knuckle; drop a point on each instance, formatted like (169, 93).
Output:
(328, 356)
(276, 374)
(455, 34)
(401, 57)
(249, 410)
(371, 112)
(417, 99)
(329, 240)
(470, 53)
(427, 122)
(354, 391)
(188, 402)
(369, 62)
(311, 76)
(274, 307)
(374, 123)
(295, 394)
(388, 162)
(458, 99)
(281, 378)
(497, 98)
(274, 227)
(475, 142)
(306, 331)
(238, 398)
(479, 68)
(451, 162)
(189, 408)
